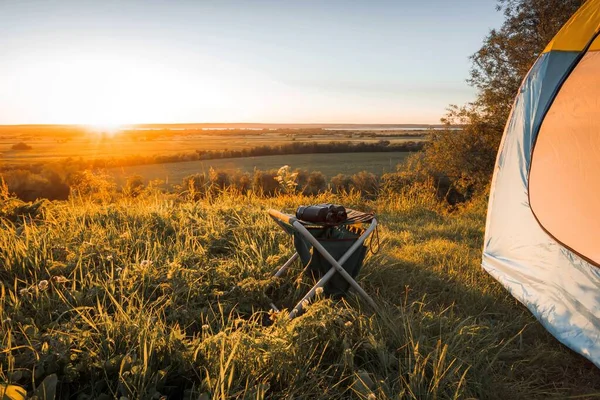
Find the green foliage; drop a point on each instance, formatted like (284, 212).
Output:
(165, 295)
(509, 52)
(466, 156)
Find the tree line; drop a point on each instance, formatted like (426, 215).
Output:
(79, 164)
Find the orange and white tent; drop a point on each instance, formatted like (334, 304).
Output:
(542, 238)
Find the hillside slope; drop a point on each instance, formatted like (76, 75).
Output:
(160, 295)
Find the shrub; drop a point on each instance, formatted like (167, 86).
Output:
(366, 183)
(219, 180)
(29, 186)
(21, 146)
(264, 183)
(195, 186)
(316, 183)
(341, 183)
(241, 181)
(134, 186)
(302, 178)
(94, 185)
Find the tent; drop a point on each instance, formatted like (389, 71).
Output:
(542, 239)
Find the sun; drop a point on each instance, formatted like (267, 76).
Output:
(108, 129)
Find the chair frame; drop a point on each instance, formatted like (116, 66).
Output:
(336, 265)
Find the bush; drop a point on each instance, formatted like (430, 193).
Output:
(21, 146)
(366, 183)
(195, 186)
(264, 183)
(316, 183)
(134, 186)
(341, 183)
(29, 186)
(241, 181)
(94, 185)
(219, 180)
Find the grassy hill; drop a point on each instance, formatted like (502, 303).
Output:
(160, 295)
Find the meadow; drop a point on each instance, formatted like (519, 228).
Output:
(329, 164)
(165, 295)
(45, 160)
(56, 143)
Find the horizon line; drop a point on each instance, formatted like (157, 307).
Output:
(256, 124)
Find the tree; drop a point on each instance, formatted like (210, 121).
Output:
(467, 156)
(508, 53)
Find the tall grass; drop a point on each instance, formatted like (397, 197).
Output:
(163, 296)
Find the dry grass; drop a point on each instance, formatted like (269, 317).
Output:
(53, 147)
(163, 296)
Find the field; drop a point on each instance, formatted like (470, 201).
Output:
(160, 296)
(329, 164)
(51, 143)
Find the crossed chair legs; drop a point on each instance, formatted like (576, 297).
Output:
(336, 266)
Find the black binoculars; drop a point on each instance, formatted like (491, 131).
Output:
(322, 213)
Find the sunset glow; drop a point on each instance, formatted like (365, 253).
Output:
(99, 63)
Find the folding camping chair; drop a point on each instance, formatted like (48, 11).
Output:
(326, 249)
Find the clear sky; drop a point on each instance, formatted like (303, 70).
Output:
(281, 61)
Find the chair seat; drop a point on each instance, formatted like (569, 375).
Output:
(331, 253)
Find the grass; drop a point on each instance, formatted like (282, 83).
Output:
(329, 164)
(163, 296)
(52, 147)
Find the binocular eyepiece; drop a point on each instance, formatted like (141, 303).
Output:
(322, 213)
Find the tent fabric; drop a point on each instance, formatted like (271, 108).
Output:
(564, 176)
(558, 285)
(577, 32)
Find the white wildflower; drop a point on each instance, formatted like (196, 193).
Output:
(319, 291)
(109, 257)
(146, 263)
(43, 284)
(24, 291)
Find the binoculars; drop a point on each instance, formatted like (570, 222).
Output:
(322, 213)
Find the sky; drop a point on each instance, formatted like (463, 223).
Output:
(112, 62)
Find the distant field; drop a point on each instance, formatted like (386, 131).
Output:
(328, 164)
(54, 145)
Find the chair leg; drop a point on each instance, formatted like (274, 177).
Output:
(285, 266)
(336, 265)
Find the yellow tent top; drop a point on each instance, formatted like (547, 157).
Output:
(579, 30)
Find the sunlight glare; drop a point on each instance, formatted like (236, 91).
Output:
(105, 129)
